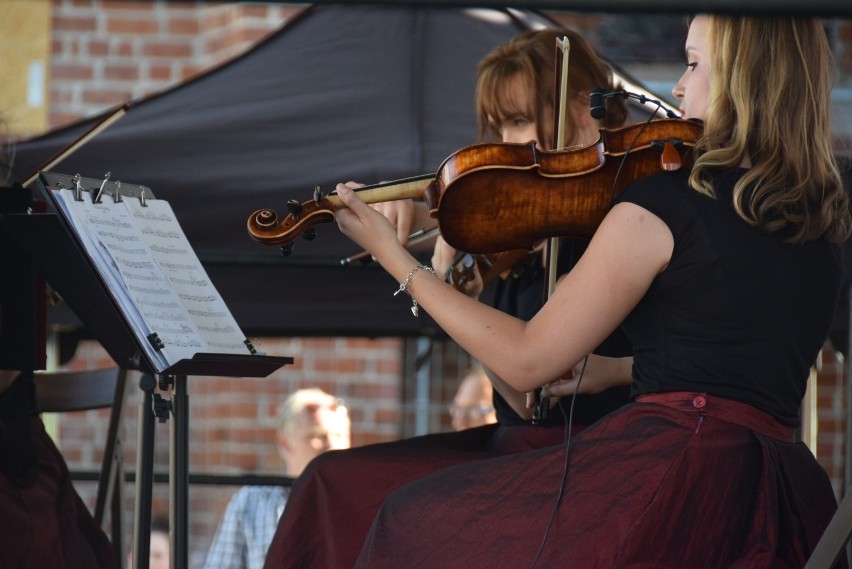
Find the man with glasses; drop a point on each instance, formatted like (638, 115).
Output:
(472, 406)
(310, 422)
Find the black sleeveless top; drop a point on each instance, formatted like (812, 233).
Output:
(738, 312)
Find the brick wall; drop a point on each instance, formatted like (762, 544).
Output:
(107, 53)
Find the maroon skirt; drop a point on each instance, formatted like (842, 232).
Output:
(333, 503)
(677, 480)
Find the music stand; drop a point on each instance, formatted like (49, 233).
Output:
(48, 243)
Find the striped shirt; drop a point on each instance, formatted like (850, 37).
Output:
(247, 528)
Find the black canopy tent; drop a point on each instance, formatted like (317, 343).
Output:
(340, 93)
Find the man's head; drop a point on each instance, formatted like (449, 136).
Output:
(472, 406)
(310, 422)
(160, 545)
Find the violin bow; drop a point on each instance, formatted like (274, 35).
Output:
(95, 130)
(415, 238)
(563, 50)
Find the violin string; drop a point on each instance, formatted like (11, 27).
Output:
(612, 195)
(564, 480)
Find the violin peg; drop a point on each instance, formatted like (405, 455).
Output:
(287, 249)
(317, 194)
(309, 234)
(294, 207)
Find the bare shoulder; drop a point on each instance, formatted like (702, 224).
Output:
(635, 238)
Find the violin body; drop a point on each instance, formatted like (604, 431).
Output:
(500, 197)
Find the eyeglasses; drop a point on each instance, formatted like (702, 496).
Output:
(337, 406)
(473, 412)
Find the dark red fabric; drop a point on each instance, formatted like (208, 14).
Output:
(43, 522)
(685, 483)
(333, 503)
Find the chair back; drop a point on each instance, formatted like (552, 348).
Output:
(65, 391)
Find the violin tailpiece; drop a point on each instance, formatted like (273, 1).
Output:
(670, 160)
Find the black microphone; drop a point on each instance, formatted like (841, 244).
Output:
(596, 103)
(598, 96)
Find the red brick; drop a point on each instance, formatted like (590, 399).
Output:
(72, 72)
(122, 47)
(255, 11)
(253, 35)
(388, 416)
(343, 365)
(186, 26)
(160, 72)
(160, 48)
(389, 366)
(121, 72)
(98, 48)
(74, 24)
(134, 26)
(215, 18)
(124, 6)
(189, 71)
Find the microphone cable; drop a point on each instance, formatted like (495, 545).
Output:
(596, 102)
(561, 491)
(598, 97)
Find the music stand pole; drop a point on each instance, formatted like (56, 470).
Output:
(179, 475)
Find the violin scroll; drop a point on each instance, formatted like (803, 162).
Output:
(265, 227)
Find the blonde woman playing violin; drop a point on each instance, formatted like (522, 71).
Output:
(725, 278)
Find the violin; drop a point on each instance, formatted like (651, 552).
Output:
(495, 197)
(499, 197)
(490, 267)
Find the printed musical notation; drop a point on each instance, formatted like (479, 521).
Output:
(146, 261)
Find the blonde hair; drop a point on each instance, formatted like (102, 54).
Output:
(531, 60)
(297, 401)
(770, 103)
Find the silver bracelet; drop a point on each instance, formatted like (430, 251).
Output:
(404, 285)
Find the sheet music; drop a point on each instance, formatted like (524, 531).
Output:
(176, 258)
(155, 276)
